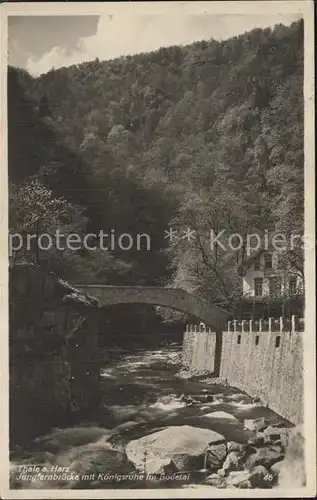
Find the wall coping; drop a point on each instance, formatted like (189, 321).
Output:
(281, 324)
(198, 328)
(271, 325)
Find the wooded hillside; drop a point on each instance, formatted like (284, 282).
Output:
(207, 136)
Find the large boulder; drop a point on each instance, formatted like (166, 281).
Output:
(184, 447)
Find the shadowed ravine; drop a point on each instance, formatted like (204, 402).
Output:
(141, 395)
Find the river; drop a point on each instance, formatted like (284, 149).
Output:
(141, 393)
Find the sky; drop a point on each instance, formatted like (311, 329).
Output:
(38, 43)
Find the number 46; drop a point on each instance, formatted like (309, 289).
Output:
(269, 477)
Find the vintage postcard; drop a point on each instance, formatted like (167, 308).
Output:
(157, 250)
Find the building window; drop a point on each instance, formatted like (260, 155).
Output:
(258, 287)
(268, 261)
(239, 339)
(257, 263)
(277, 342)
(292, 285)
(275, 285)
(257, 339)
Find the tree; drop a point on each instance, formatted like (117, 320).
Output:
(206, 263)
(34, 211)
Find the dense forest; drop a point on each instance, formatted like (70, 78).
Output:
(207, 136)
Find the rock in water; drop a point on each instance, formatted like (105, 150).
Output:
(257, 440)
(126, 427)
(216, 480)
(59, 439)
(183, 446)
(216, 454)
(265, 456)
(221, 415)
(260, 477)
(239, 479)
(256, 425)
(233, 462)
(95, 458)
(273, 434)
(233, 446)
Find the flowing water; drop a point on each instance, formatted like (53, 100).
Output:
(141, 395)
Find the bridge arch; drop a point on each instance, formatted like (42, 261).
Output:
(173, 298)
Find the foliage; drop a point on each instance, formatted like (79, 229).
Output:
(35, 211)
(207, 136)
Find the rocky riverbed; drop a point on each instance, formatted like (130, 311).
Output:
(158, 429)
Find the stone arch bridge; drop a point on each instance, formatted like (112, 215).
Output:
(172, 298)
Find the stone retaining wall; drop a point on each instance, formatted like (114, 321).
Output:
(266, 365)
(199, 350)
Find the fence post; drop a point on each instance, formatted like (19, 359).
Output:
(234, 325)
(260, 325)
(251, 325)
(242, 325)
(294, 323)
(270, 325)
(229, 326)
(281, 324)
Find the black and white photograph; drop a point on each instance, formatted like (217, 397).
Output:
(158, 250)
